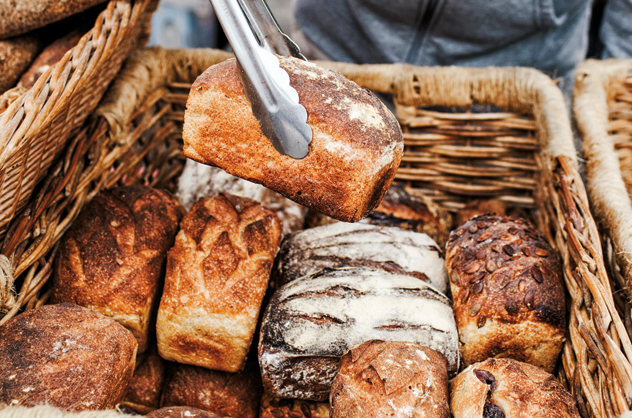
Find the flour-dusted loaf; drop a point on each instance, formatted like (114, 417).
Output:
(16, 54)
(506, 283)
(217, 274)
(199, 180)
(272, 407)
(112, 258)
(504, 388)
(145, 388)
(181, 412)
(391, 379)
(234, 395)
(65, 356)
(356, 245)
(311, 322)
(355, 151)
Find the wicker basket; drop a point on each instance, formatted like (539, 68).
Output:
(37, 126)
(458, 147)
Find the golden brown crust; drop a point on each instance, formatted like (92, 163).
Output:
(112, 258)
(65, 356)
(217, 275)
(272, 407)
(180, 412)
(511, 389)
(15, 56)
(355, 151)
(391, 378)
(234, 395)
(480, 207)
(145, 388)
(506, 283)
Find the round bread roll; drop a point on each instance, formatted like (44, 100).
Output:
(504, 388)
(508, 294)
(356, 146)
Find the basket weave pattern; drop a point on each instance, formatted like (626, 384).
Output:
(523, 155)
(35, 129)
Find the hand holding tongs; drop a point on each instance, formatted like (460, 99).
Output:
(255, 37)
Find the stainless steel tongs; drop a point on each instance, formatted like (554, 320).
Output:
(255, 37)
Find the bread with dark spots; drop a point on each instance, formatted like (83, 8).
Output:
(217, 275)
(65, 356)
(391, 379)
(112, 259)
(506, 283)
(505, 388)
(355, 151)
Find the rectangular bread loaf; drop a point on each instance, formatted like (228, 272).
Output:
(217, 274)
(311, 322)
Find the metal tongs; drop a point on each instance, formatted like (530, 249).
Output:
(255, 37)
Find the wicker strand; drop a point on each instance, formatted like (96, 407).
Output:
(8, 297)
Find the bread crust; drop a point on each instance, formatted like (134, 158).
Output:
(180, 412)
(272, 407)
(144, 389)
(16, 54)
(519, 390)
(112, 258)
(394, 378)
(355, 151)
(217, 275)
(65, 356)
(506, 283)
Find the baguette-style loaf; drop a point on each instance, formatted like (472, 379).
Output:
(391, 379)
(113, 257)
(217, 274)
(311, 322)
(65, 356)
(508, 294)
(272, 407)
(199, 180)
(356, 245)
(234, 395)
(505, 388)
(145, 388)
(355, 151)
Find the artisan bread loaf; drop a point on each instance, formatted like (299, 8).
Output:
(198, 181)
(217, 274)
(145, 388)
(112, 258)
(65, 356)
(508, 294)
(311, 322)
(234, 395)
(272, 407)
(391, 379)
(181, 412)
(16, 54)
(355, 151)
(505, 388)
(355, 245)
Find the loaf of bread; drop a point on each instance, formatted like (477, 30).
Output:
(65, 356)
(32, 14)
(113, 257)
(355, 245)
(508, 294)
(391, 379)
(311, 322)
(217, 274)
(234, 395)
(272, 407)
(145, 388)
(355, 151)
(198, 181)
(480, 207)
(181, 412)
(16, 54)
(505, 388)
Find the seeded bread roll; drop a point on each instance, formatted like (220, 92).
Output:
(355, 151)
(181, 412)
(217, 274)
(65, 356)
(16, 54)
(504, 388)
(508, 294)
(145, 388)
(272, 407)
(112, 258)
(391, 378)
(234, 395)
(311, 322)
(355, 245)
